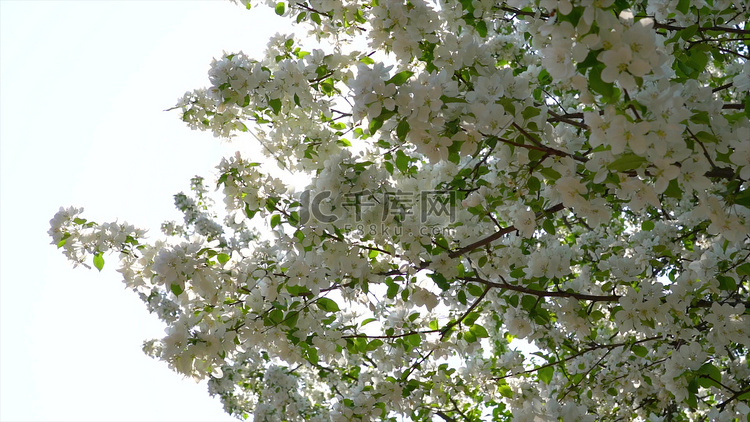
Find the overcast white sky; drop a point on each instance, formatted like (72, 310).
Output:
(83, 86)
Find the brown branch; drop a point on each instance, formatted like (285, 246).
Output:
(394, 336)
(522, 12)
(582, 352)
(703, 147)
(445, 330)
(585, 374)
(566, 118)
(721, 173)
(542, 293)
(723, 87)
(498, 234)
(455, 406)
(549, 150)
(534, 147)
(445, 417)
(734, 397)
(725, 50)
(669, 27)
(528, 135)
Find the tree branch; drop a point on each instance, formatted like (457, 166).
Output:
(542, 293)
(498, 234)
(669, 27)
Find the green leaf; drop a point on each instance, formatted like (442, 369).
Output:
(327, 86)
(414, 340)
(250, 213)
(373, 345)
(375, 124)
(590, 61)
(279, 9)
(545, 374)
(607, 89)
(479, 331)
(98, 261)
(683, 6)
(550, 173)
(505, 391)
(297, 290)
(673, 190)
(275, 220)
(518, 273)
(639, 350)
(709, 376)
(474, 290)
(596, 315)
(275, 317)
(461, 296)
(64, 240)
(626, 162)
(706, 137)
(710, 370)
(447, 100)
(440, 280)
(400, 78)
(402, 161)
(647, 225)
(530, 112)
(367, 321)
(481, 28)
(533, 184)
(688, 32)
(392, 291)
(528, 302)
(291, 319)
(544, 78)
(176, 289)
(470, 318)
(275, 104)
(223, 258)
(726, 283)
(402, 129)
(743, 269)
(549, 226)
(701, 117)
(327, 305)
(743, 198)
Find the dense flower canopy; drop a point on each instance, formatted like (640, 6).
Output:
(529, 210)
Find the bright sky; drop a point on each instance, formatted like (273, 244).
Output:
(83, 86)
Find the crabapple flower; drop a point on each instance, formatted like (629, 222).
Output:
(622, 67)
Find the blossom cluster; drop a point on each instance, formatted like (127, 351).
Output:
(594, 159)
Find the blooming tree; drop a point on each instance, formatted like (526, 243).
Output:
(520, 210)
